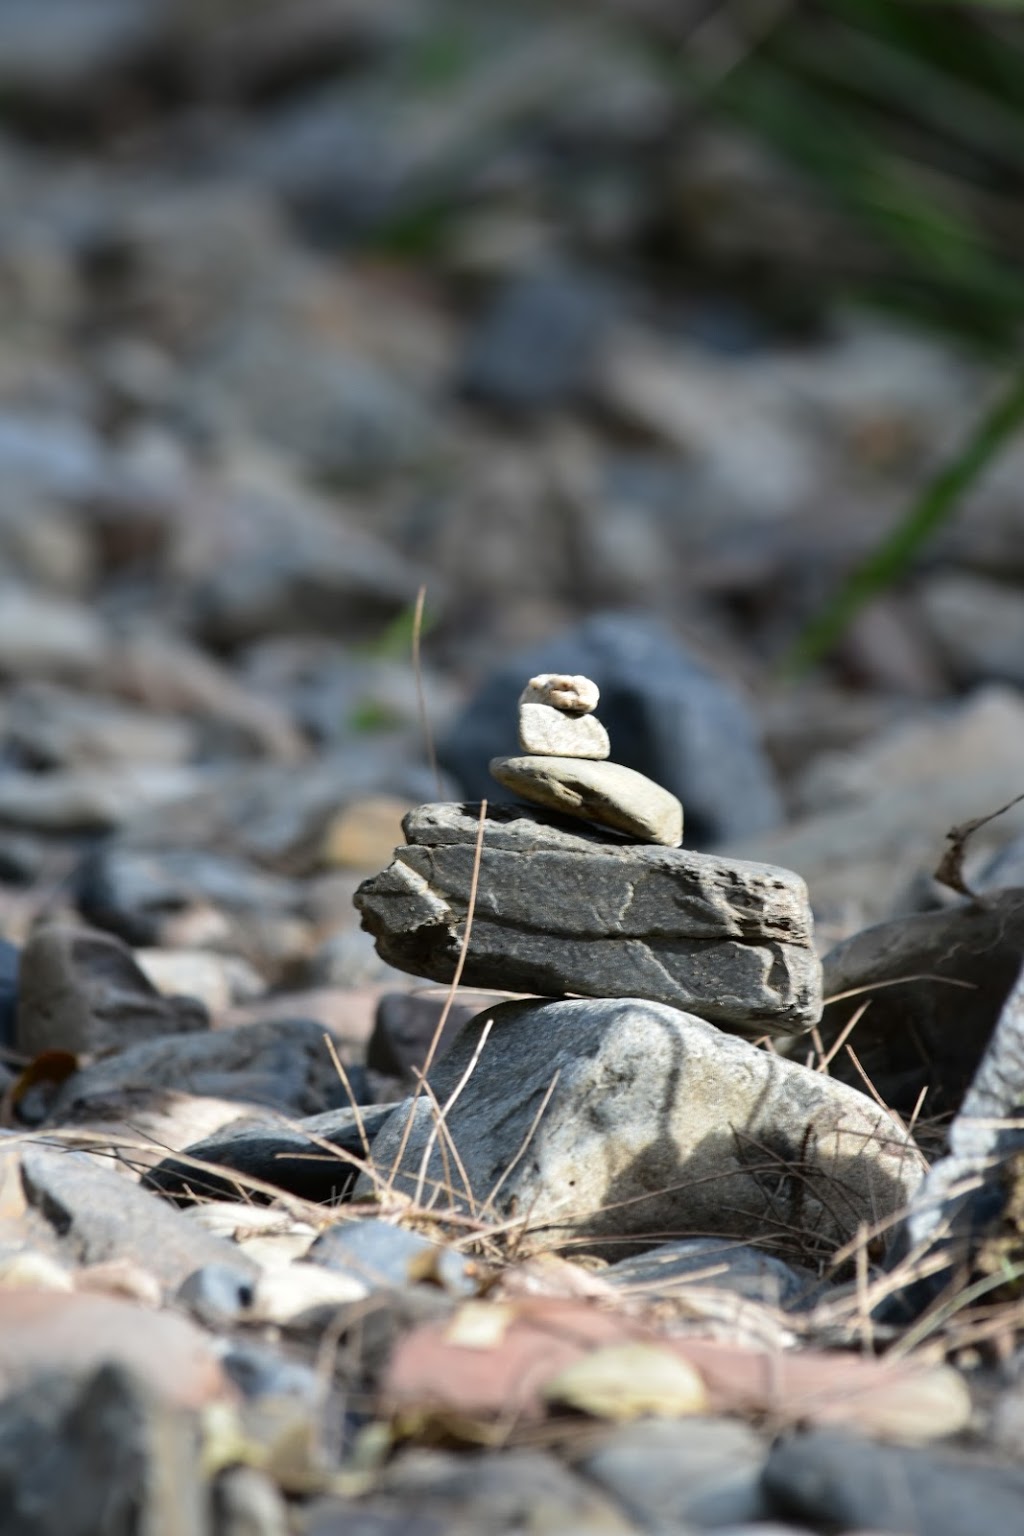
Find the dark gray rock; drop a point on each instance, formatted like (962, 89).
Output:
(668, 718)
(283, 1064)
(843, 1483)
(538, 340)
(935, 983)
(105, 1455)
(671, 1473)
(404, 1027)
(381, 1255)
(276, 1153)
(84, 992)
(572, 911)
(647, 1120)
(100, 1215)
(671, 1267)
(1004, 869)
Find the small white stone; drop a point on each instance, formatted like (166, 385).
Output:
(574, 695)
(548, 732)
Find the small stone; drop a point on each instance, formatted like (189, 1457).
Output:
(551, 732)
(76, 1333)
(281, 1063)
(571, 694)
(105, 1454)
(606, 793)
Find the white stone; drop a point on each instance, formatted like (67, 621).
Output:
(573, 694)
(549, 732)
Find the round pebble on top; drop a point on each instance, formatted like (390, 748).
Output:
(572, 695)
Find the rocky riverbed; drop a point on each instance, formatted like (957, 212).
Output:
(695, 1205)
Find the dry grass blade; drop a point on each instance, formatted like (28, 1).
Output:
(441, 1119)
(828, 1057)
(524, 1145)
(421, 698)
(899, 981)
(450, 998)
(339, 1067)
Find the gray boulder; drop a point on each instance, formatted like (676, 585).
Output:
(647, 1121)
(571, 911)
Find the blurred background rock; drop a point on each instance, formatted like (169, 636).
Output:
(652, 318)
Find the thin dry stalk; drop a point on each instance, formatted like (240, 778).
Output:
(339, 1067)
(534, 1123)
(450, 998)
(912, 1122)
(869, 1085)
(899, 981)
(421, 698)
(827, 1058)
(441, 1119)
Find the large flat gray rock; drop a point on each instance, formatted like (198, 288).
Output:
(657, 1125)
(562, 911)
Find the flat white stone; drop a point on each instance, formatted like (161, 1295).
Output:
(551, 732)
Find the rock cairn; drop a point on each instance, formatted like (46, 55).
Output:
(640, 1114)
(562, 910)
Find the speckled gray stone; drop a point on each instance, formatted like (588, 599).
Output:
(640, 1119)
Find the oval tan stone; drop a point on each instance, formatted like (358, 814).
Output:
(607, 793)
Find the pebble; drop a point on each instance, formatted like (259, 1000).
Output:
(928, 1033)
(379, 1254)
(98, 1454)
(605, 793)
(670, 1268)
(77, 1333)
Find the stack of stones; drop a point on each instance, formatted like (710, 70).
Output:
(565, 765)
(652, 952)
